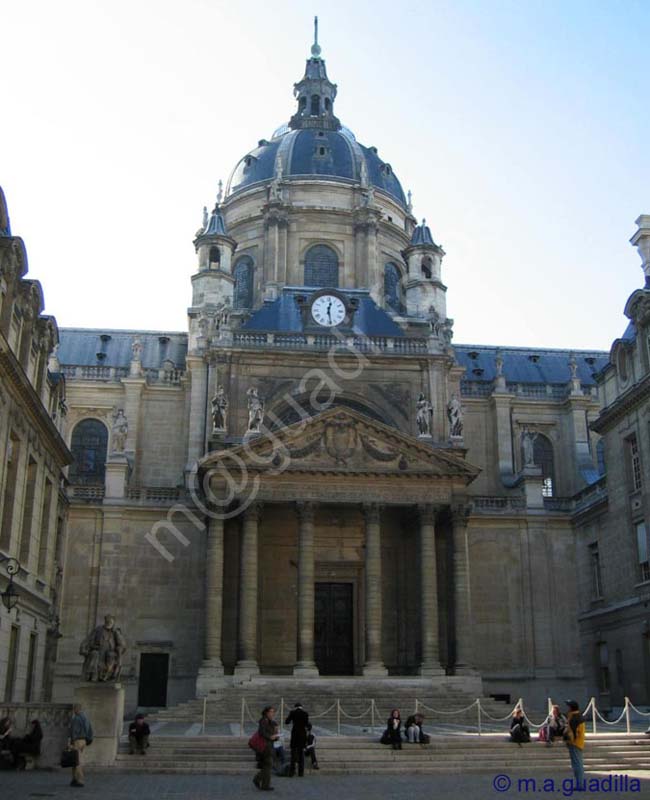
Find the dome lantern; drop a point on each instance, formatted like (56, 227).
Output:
(315, 94)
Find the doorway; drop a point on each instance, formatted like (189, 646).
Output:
(334, 628)
(152, 684)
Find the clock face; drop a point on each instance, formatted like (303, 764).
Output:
(328, 310)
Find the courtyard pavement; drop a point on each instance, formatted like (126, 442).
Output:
(116, 786)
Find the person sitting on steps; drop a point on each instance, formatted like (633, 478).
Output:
(139, 735)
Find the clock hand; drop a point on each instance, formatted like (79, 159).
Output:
(329, 311)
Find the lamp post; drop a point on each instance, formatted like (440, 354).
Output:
(10, 595)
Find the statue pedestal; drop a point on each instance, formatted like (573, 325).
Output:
(117, 472)
(103, 704)
(533, 486)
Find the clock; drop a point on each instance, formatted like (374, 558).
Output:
(328, 310)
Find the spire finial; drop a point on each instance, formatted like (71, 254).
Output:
(315, 48)
(424, 222)
(220, 192)
(409, 204)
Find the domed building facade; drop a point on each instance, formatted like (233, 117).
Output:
(314, 480)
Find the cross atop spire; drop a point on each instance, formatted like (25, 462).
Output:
(315, 48)
(220, 192)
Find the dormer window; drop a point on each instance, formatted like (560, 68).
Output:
(534, 358)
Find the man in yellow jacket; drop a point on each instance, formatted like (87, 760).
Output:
(574, 736)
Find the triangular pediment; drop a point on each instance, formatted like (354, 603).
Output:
(342, 440)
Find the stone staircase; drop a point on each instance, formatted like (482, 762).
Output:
(490, 753)
(320, 698)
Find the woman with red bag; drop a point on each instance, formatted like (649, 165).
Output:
(267, 730)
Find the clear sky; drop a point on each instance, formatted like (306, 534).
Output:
(522, 129)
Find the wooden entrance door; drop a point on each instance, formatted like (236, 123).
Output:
(334, 629)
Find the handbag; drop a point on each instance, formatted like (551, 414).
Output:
(69, 758)
(257, 742)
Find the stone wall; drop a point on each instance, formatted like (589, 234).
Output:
(54, 719)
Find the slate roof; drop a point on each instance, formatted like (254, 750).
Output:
(216, 224)
(299, 154)
(422, 235)
(283, 315)
(79, 347)
(529, 364)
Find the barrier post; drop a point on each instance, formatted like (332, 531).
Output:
(627, 715)
(478, 706)
(243, 711)
(281, 714)
(205, 703)
(372, 716)
(593, 714)
(417, 705)
(338, 717)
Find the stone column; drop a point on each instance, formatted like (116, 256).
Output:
(374, 664)
(247, 663)
(211, 669)
(430, 664)
(462, 607)
(305, 667)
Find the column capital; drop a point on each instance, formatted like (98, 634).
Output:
(427, 513)
(253, 512)
(460, 513)
(371, 512)
(305, 510)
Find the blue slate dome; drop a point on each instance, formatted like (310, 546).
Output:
(314, 144)
(311, 152)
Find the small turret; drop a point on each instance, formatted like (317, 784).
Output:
(315, 94)
(641, 240)
(425, 291)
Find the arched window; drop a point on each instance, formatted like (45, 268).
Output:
(328, 104)
(392, 277)
(302, 105)
(543, 457)
(321, 266)
(89, 444)
(426, 267)
(315, 105)
(243, 291)
(215, 255)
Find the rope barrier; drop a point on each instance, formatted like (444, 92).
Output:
(376, 714)
(455, 711)
(637, 711)
(357, 716)
(606, 721)
(323, 713)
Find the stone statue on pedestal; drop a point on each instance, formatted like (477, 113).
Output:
(255, 411)
(119, 431)
(219, 409)
(103, 649)
(455, 416)
(423, 416)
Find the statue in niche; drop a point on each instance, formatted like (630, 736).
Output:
(219, 409)
(119, 431)
(528, 438)
(223, 313)
(455, 416)
(255, 410)
(103, 649)
(424, 415)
